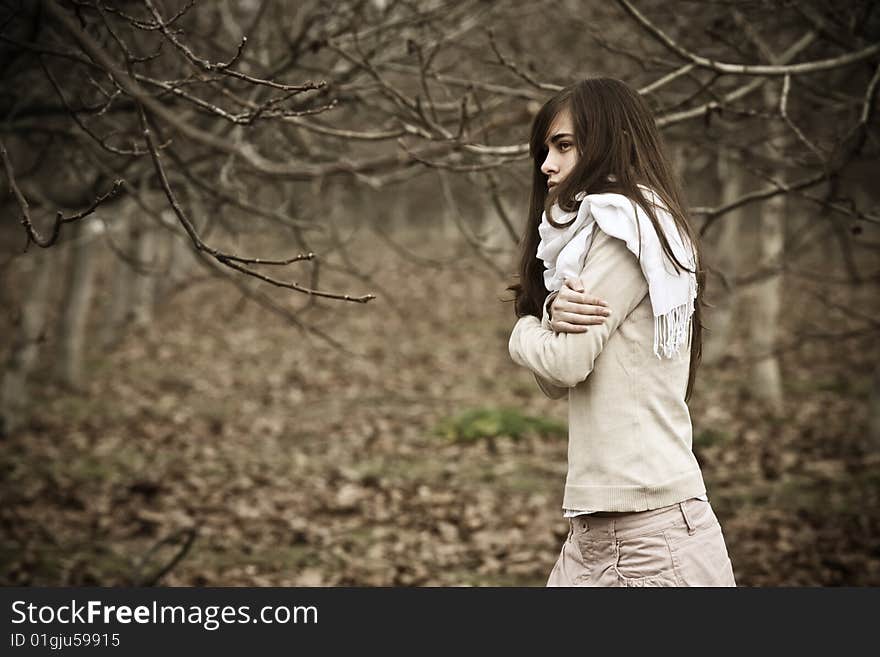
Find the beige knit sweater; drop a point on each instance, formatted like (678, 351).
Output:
(630, 435)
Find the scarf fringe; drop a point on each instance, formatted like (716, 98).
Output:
(672, 330)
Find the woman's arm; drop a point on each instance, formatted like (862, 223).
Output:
(549, 389)
(586, 313)
(575, 312)
(611, 272)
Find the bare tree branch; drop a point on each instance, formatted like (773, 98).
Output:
(32, 233)
(228, 259)
(747, 69)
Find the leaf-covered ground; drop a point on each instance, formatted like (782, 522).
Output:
(429, 459)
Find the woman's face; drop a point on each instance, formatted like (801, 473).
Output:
(562, 154)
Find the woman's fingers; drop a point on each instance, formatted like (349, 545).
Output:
(576, 319)
(574, 312)
(582, 298)
(582, 310)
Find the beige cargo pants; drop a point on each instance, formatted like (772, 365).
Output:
(676, 545)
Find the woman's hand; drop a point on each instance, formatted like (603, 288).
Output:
(573, 310)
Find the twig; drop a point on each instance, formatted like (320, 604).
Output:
(188, 534)
(225, 67)
(859, 132)
(102, 142)
(666, 79)
(783, 111)
(713, 214)
(473, 242)
(146, 25)
(33, 234)
(497, 202)
(543, 86)
(736, 94)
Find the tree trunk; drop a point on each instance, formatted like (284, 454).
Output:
(874, 411)
(492, 231)
(77, 299)
(144, 284)
(720, 321)
(766, 377)
(117, 310)
(766, 303)
(22, 359)
(180, 264)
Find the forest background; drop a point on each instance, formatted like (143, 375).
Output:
(254, 263)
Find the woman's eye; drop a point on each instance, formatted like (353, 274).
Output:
(564, 145)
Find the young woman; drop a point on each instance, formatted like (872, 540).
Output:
(608, 303)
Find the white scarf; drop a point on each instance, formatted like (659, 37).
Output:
(564, 251)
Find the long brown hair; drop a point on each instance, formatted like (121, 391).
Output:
(615, 135)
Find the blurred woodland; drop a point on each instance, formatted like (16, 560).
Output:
(253, 260)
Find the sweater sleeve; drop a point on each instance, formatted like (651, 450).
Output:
(611, 271)
(552, 391)
(549, 389)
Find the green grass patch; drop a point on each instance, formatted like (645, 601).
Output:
(487, 423)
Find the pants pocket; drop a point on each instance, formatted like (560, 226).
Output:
(645, 561)
(701, 559)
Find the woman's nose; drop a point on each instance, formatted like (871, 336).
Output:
(549, 166)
